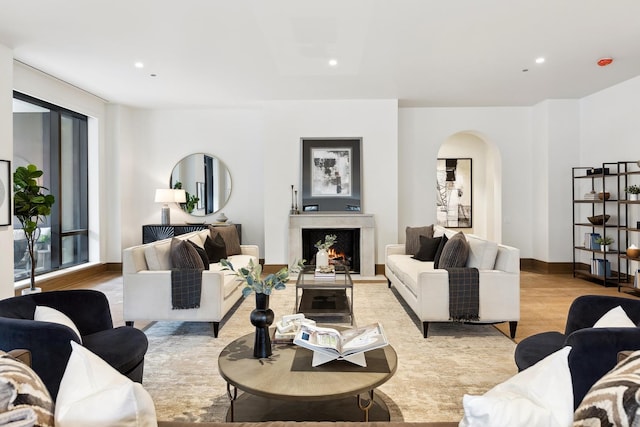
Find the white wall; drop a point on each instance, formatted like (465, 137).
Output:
(6, 153)
(421, 133)
(153, 141)
(375, 121)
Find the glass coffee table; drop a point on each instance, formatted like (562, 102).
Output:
(326, 297)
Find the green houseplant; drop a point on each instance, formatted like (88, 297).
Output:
(30, 207)
(604, 241)
(192, 200)
(633, 191)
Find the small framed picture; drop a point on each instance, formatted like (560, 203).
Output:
(5, 192)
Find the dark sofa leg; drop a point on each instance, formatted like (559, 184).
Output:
(389, 283)
(512, 328)
(129, 323)
(216, 326)
(425, 329)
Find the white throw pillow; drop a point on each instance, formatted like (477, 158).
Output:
(158, 256)
(482, 253)
(615, 318)
(539, 396)
(48, 314)
(94, 394)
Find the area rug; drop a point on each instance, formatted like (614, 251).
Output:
(181, 368)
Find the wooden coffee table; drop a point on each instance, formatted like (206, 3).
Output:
(324, 298)
(288, 376)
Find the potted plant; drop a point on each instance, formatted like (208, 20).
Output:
(30, 206)
(262, 317)
(322, 257)
(604, 242)
(633, 191)
(192, 200)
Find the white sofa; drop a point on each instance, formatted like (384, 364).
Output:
(426, 290)
(147, 290)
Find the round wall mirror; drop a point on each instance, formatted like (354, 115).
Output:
(205, 179)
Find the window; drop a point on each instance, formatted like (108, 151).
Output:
(55, 140)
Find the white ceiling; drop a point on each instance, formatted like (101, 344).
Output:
(421, 52)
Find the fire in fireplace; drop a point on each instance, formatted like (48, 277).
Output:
(345, 250)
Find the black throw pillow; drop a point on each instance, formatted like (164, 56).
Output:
(428, 248)
(436, 258)
(215, 248)
(202, 253)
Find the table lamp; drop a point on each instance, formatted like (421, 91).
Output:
(168, 195)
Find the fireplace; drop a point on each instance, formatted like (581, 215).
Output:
(346, 249)
(365, 223)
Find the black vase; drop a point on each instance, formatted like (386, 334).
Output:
(262, 318)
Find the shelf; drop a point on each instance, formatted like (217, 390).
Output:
(588, 224)
(598, 251)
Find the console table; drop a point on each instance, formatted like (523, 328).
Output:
(153, 232)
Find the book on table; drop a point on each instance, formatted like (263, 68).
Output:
(330, 344)
(326, 272)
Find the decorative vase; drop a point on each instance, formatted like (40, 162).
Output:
(633, 196)
(605, 248)
(322, 258)
(221, 217)
(262, 317)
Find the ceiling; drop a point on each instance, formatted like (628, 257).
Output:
(445, 53)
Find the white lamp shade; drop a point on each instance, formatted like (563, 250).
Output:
(181, 196)
(168, 195)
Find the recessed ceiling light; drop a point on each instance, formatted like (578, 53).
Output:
(333, 62)
(539, 60)
(139, 64)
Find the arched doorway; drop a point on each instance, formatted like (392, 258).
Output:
(486, 176)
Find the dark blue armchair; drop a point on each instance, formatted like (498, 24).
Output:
(123, 348)
(594, 351)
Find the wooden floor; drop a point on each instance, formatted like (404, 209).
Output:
(544, 299)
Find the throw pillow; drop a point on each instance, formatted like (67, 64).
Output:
(92, 393)
(183, 255)
(215, 247)
(229, 234)
(428, 248)
(615, 318)
(48, 314)
(412, 238)
(436, 257)
(539, 396)
(614, 400)
(201, 253)
(455, 252)
(24, 399)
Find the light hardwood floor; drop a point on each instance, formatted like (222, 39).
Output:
(544, 299)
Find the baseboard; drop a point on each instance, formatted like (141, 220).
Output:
(542, 267)
(67, 278)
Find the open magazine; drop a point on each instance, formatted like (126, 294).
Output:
(341, 344)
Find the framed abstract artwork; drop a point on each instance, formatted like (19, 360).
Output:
(331, 174)
(454, 193)
(5, 192)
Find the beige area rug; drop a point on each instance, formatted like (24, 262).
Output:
(181, 369)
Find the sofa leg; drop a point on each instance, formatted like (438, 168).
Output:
(216, 326)
(389, 283)
(512, 328)
(129, 323)
(425, 329)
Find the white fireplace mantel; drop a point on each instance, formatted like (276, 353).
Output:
(365, 222)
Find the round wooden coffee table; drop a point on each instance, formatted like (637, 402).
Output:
(288, 375)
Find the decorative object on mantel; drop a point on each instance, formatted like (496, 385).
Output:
(633, 251)
(632, 192)
(294, 202)
(322, 256)
(262, 317)
(30, 206)
(599, 219)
